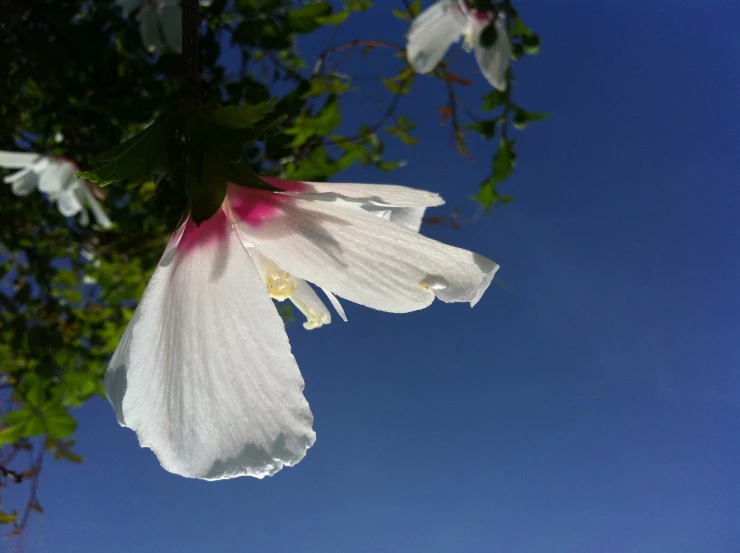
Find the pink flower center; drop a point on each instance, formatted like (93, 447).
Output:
(254, 207)
(209, 231)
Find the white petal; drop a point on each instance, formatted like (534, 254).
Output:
(149, 28)
(493, 61)
(68, 203)
(26, 180)
(378, 194)
(204, 374)
(361, 257)
(335, 303)
(171, 18)
(82, 193)
(23, 182)
(57, 176)
(17, 160)
(128, 6)
(409, 217)
(432, 33)
(101, 218)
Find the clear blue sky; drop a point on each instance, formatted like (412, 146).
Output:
(590, 405)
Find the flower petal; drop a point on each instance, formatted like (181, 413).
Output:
(204, 373)
(89, 199)
(171, 18)
(409, 217)
(17, 160)
(335, 304)
(127, 6)
(68, 203)
(365, 259)
(149, 28)
(377, 194)
(493, 61)
(56, 177)
(23, 182)
(432, 33)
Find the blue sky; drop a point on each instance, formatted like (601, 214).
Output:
(590, 403)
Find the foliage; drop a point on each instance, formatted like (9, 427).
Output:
(80, 82)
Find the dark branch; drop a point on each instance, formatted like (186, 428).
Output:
(191, 52)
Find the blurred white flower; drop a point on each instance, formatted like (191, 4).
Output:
(56, 178)
(154, 15)
(435, 29)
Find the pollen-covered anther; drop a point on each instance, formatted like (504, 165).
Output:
(280, 286)
(468, 41)
(314, 319)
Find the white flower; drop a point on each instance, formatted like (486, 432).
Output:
(436, 28)
(56, 178)
(204, 373)
(156, 14)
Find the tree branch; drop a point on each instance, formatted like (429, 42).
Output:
(191, 52)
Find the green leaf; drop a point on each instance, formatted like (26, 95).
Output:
(486, 196)
(517, 50)
(8, 518)
(522, 117)
(326, 84)
(304, 19)
(12, 434)
(59, 423)
(358, 5)
(396, 86)
(486, 128)
(390, 165)
(205, 183)
(503, 162)
(35, 427)
(403, 15)
(531, 44)
(62, 451)
(244, 116)
(241, 174)
(519, 29)
(493, 99)
(334, 19)
(36, 394)
(18, 417)
(401, 130)
(139, 157)
(323, 124)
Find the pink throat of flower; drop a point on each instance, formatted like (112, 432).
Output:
(256, 207)
(472, 13)
(251, 206)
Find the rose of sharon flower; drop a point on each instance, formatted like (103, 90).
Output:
(156, 14)
(204, 373)
(435, 29)
(56, 178)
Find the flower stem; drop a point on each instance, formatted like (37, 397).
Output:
(191, 52)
